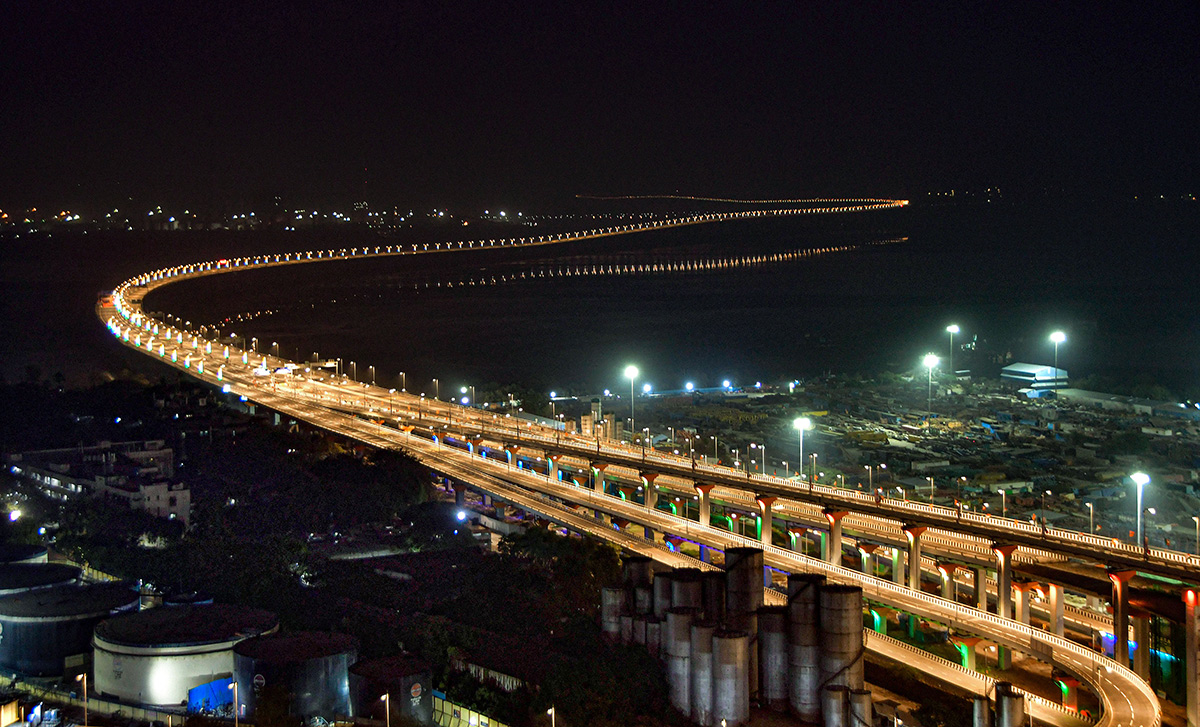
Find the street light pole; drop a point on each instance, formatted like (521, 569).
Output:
(631, 373)
(801, 424)
(387, 709)
(931, 360)
(1091, 518)
(237, 708)
(83, 678)
(1057, 337)
(1197, 519)
(1141, 479)
(952, 329)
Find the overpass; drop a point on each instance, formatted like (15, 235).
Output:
(1127, 699)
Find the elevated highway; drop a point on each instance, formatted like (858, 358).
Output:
(1127, 699)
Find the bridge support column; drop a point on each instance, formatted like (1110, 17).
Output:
(649, 492)
(705, 504)
(1141, 637)
(487, 500)
(552, 467)
(705, 556)
(865, 551)
(966, 649)
(1057, 599)
(1070, 692)
(1191, 660)
(1120, 606)
(981, 599)
(948, 586)
(1024, 593)
(914, 555)
(1004, 604)
(460, 495)
(834, 552)
(897, 566)
(598, 477)
(767, 523)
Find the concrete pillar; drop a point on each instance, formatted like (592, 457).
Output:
(1070, 692)
(705, 556)
(1191, 659)
(487, 500)
(966, 648)
(552, 466)
(898, 566)
(833, 553)
(981, 599)
(914, 555)
(705, 504)
(649, 492)
(767, 524)
(866, 551)
(1120, 606)
(1004, 604)
(648, 532)
(1055, 606)
(1141, 636)
(1024, 598)
(947, 572)
(795, 532)
(460, 495)
(598, 473)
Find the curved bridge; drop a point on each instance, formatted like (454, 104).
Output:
(397, 420)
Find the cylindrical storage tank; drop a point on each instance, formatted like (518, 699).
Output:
(662, 594)
(743, 580)
(312, 668)
(835, 705)
(654, 629)
(773, 657)
(804, 645)
(743, 598)
(677, 642)
(638, 570)
(643, 600)
(156, 656)
(626, 628)
(42, 627)
(862, 709)
(611, 600)
(20, 553)
(406, 681)
(639, 630)
(701, 692)
(194, 598)
(842, 636)
(731, 678)
(981, 711)
(21, 577)
(686, 585)
(714, 595)
(1010, 706)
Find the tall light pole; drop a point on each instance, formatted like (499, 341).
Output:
(813, 457)
(802, 424)
(716, 459)
(387, 709)
(1057, 337)
(1141, 479)
(1091, 517)
(403, 387)
(1004, 503)
(931, 362)
(372, 369)
(1197, 519)
(83, 678)
(437, 389)
(631, 373)
(552, 715)
(237, 708)
(952, 329)
(1044, 493)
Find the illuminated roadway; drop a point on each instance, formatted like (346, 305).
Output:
(1127, 699)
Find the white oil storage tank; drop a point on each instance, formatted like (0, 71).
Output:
(155, 656)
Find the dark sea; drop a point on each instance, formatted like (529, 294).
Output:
(745, 301)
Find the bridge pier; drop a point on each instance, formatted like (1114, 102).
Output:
(705, 556)
(1120, 606)
(1191, 661)
(1004, 602)
(834, 553)
(767, 523)
(947, 571)
(865, 551)
(552, 466)
(897, 566)
(1024, 594)
(705, 504)
(914, 555)
(487, 500)
(981, 598)
(649, 491)
(460, 495)
(1141, 656)
(1056, 609)
(966, 648)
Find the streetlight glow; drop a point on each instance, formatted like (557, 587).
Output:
(631, 373)
(1141, 479)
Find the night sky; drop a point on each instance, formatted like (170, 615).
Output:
(470, 103)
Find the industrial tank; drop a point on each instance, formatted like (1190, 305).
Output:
(773, 657)
(156, 656)
(842, 636)
(19, 553)
(42, 627)
(308, 669)
(19, 577)
(407, 683)
(731, 678)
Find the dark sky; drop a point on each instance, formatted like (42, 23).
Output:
(469, 102)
